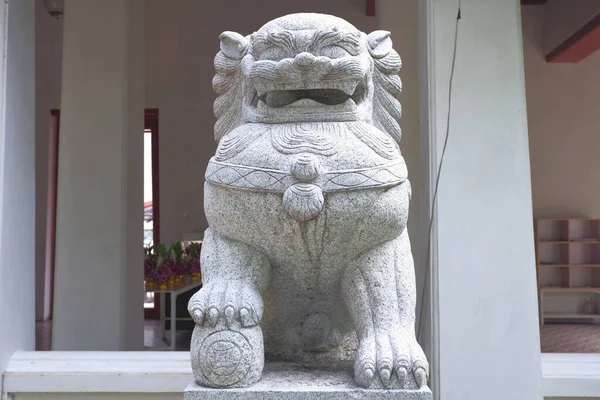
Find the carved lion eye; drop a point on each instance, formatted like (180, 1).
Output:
(333, 52)
(274, 54)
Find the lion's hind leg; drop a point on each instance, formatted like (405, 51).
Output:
(379, 292)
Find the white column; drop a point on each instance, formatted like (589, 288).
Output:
(17, 174)
(484, 285)
(98, 302)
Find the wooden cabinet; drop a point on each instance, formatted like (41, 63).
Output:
(568, 267)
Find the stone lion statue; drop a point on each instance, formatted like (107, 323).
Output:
(307, 258)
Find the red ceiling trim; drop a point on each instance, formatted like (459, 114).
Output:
(579, 45)
(532, 2)
(151, 112)
(371, 7)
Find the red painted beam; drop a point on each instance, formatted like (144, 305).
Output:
(579, 45)
(532, 2)
(371, 7)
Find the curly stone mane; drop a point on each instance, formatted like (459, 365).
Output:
(227, 84)
(388, 86)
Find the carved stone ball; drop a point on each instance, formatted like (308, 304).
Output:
(227, 358)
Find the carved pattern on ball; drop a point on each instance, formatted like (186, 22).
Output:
(227, 356)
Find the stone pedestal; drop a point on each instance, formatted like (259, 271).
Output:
(287, 381)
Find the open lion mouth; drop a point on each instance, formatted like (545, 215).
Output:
(337, 97)
(282, 98)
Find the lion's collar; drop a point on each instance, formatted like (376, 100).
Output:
(253, 178)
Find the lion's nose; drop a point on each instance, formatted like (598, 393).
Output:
(304, 59)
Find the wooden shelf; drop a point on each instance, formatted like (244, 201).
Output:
(570, 289)
(541, 265)
(568, 242)
(568, 261)
(584, 265)
(571, 316)
(567, 219)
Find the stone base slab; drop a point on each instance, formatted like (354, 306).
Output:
(287, 381)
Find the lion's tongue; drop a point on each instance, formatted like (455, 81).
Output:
(304, 103)
(282, 98)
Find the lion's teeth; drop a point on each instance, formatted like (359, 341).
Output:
(349, 87)
(262, 107)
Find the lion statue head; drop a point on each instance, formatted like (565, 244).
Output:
(305, 68)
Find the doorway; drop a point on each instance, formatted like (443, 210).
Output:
(151, 200)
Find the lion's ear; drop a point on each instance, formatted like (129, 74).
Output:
(379, 43)
(233, 45)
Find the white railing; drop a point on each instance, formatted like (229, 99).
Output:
(571, 375)
(92, 375)
(164, 375)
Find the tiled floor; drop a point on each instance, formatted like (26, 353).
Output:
(555, 338)
(570, 338)
(43, 336)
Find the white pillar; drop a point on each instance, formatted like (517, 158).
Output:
(17, 174)
(98, 302)
(483, 277)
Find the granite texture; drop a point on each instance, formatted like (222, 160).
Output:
(285, 381)
(307, 258)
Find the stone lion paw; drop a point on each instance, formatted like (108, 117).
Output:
(390, 360)
(235, 301)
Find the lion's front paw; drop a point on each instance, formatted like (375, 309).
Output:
(390, 360)
(235, 301)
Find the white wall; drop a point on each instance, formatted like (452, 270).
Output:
(48, 59)
(486, 298)
(17, 173)
(564, 127)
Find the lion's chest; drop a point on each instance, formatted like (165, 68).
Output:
(346, 226)
(306, 193)
(306, 162)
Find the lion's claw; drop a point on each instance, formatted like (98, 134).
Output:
(232, 302)
(397, 372)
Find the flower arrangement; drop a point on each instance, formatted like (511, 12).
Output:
(192, 260)
(168, 265)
